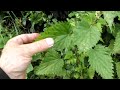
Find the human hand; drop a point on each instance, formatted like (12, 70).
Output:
(17, 54)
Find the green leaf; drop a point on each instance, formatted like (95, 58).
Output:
(30, 68)
(101, 61)
(86, 36)
(36, 57)
(117, 44)
(60, 32)
(72, 61)
(63, 42)
(51, 65)
(89, 17)
(118, 69)
(109, 17)
(51, 55)
(68, 55)
(57, 29)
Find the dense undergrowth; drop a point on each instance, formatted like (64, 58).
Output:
(87, 43)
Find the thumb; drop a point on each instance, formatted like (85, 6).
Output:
(38, 46)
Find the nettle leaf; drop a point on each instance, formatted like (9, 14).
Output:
(51, 66)
(117, 44)
(109, 17)
(89, 17)
(63, 42)
(51, 55)
(86, 36)
(84, 31)
(57, 29)
(118, 69)
(101, 61)
(60, 32)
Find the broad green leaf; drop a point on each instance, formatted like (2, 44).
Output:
(51, 55)
(30, 68)
(60, 32)
(109, 17)
(58, 29)
(101, 61)
(51, 65)
(89, 17)
(68, 55)
(86, 36)
(101, 21)
(117, 44)
(118, 69)
(63, 42)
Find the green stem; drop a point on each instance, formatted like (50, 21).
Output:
(14, 14)
(13, 24)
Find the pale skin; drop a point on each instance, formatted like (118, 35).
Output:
(18, 51)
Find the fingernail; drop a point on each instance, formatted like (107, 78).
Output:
(50, 41)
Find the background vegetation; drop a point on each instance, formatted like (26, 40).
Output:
(87, 42)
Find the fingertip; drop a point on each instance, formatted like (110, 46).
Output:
(50, 41)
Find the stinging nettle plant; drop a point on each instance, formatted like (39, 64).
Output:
(86, 45)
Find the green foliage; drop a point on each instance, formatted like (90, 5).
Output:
(87, 44)
(84, 31)
(101, 61)
(109, 17)
(91, 72)
(5, 35)
(52, 64)
(86, 36)
(60, 32)
(36, 17)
